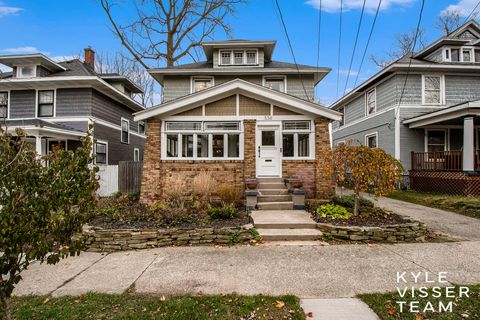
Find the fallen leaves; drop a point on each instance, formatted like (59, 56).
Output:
(279, 304)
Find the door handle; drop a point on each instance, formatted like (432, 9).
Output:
(259, 151)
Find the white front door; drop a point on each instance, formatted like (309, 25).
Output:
(269, 162)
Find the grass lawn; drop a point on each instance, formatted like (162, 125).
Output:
(387, 309)
(134, 306)
(469, 206)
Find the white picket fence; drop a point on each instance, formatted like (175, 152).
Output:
(108, 180)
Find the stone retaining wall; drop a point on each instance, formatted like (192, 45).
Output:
(107, 240)
(412, 231)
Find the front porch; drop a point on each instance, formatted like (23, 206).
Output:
(450, 161)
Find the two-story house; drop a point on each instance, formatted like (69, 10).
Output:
(423, 109)
(55, 102)
(238, 115)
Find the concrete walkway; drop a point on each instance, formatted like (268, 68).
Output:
(453, 224)
(305, 271)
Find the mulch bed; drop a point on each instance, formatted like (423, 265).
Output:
(107, 222)
(368, 217)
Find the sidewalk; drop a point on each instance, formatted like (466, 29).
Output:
(305, 271)
(453, 224)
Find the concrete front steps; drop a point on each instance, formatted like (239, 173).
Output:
(273, 195)
(285, 225)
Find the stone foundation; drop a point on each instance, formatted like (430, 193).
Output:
(108, 240)
(412, 231)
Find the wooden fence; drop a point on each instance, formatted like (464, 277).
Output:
(126, 177)
(129, 176)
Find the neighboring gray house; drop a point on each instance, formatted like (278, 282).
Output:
(54, 103)
(428, 120)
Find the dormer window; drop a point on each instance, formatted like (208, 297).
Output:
(467, 55)
(238, 57)
(461, 54)
(26, 71)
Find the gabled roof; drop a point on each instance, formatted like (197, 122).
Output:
(35, 58)
(241, 87)
(416, 62)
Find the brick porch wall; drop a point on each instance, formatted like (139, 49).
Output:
(325, 187)
(317, 181)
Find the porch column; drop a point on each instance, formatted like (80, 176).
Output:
(468, 144)
(38, 145)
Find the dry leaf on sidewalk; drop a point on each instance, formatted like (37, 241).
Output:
(310, 315)
(280, 304)
(372, 245)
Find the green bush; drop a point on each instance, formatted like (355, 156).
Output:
(223, 213)
(349, 201)
(333, 211)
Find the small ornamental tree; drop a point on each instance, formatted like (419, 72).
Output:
(364, 169)
(41, 206)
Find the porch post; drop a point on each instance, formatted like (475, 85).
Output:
(468, 144)
(38, 145)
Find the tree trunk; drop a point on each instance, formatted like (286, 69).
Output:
(356, 206)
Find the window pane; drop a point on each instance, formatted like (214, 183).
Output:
(303, 145)
(101, 148)
(233, 145)
(268, 138)
(187, 145)
(45, 97)
(3, 112)
(251, 57)
(215, 126)
(432, 96)
(181, 126)
(436, 137)
(141, 127)
(372, 141)
(455, 54)
(3, 98)
(238, 57)
(125, 136)
(218, 143)
(27, 71)
(202, 146)
(225, 57)
(477, 56)
(432, 83)
(275, 84)
(467, 55)
(45, 110)
(201, 84)
(288, 145)
(371, 102)
(172, 145)
(296, 125)
(435, 148)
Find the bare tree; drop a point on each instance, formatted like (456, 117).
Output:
(403, 45)
(119, 63)
(169, 30)
(448, 21)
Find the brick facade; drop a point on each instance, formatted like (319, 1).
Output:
(317, 181)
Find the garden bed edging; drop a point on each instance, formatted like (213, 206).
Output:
(107, 240)
(412, 231)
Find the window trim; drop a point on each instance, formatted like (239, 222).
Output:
(232, 59)
(105, 142)
(136, 151)
(122, 119)
(195, 134)
(264, 81)
(8, 103)
(366, 101)
(442, 89)
(192, 82)
(37, 100)
(369, 135)
(19, 73)
(296, 132)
